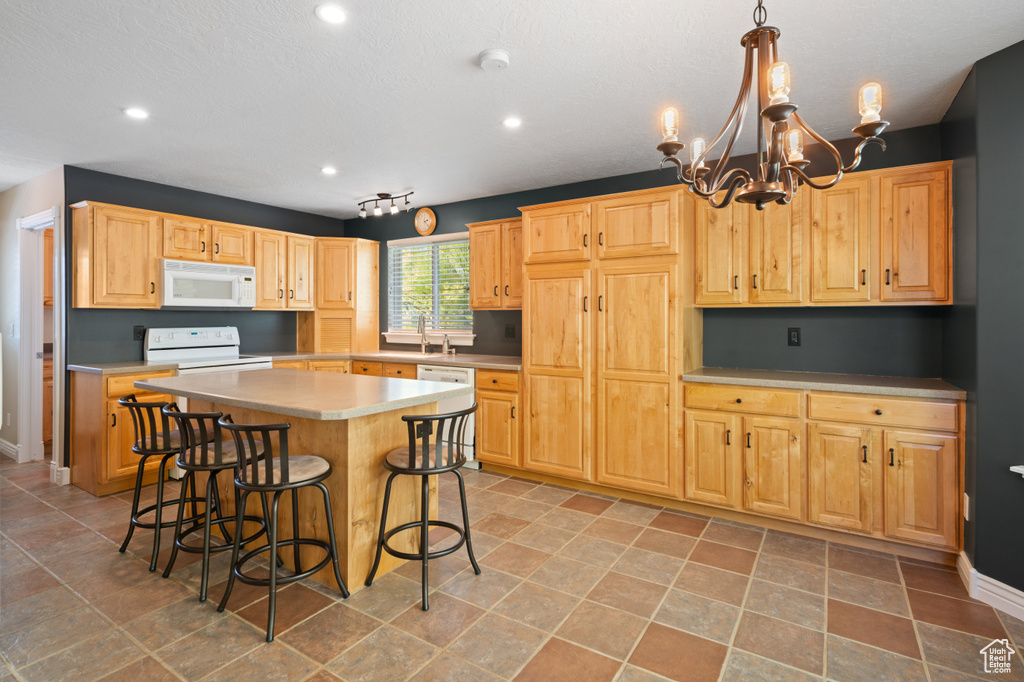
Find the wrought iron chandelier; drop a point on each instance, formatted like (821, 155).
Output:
(780, 131)
(384, 196)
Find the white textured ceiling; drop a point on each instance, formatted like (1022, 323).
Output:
(249, 98)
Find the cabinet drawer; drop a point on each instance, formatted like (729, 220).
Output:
(864, 409)
(399, 370)
(496, 380)
(772, 401)
(124, 384)
(289, 364)
(373, 369)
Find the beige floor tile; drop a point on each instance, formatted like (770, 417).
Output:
(568, 575)
(786, 604)
(791, 573)
(266, 662)
(873, 594)
(446, 619)
(447, 668)
(484, 590)
(610, 631)
(639, 597)
(849, 660)
(386, 655)
(590, 550)
(698, 615)
(159, 628)
(89, 659)
(208, 649)
(518, 643)
(33, 643)
(713, 583)
(746, 667)
(651, 566)
(330, 632)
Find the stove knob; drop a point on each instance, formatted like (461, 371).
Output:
(171, 335)
(231, 336)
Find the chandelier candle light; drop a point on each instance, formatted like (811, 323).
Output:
(384, 196)
(780, 133)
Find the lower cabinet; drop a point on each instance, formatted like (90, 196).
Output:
(712, 457)
(498, 418)
(289, 364)
(373, 369)
(335, 366)
(921, 487)
(844, 476)
(399, 370)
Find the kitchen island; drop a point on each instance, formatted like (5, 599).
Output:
(352, 422)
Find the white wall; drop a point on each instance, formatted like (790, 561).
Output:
(33, 196)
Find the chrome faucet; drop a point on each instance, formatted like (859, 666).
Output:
(422, 329)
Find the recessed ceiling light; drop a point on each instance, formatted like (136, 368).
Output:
(512, 122)
(331, 13)
(329, 170)
(135, 112)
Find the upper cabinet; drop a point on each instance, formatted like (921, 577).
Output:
(271, 257)
(556, 234)
(335, 266)
(232, 244)
(300, 272)
(186, 239)
(116, 256)
(496, 265)
(876, 238)
(644, 225)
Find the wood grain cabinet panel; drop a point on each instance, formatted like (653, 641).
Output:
(48, 267)
(186, 239)
(126, 247)
(497, 380)
(485, 263)
(300, 273)
(333, 366)
(773, 466)
(914, 413)
(232, 244)
(644, 225)
(497, 428)
(841, 241)
(557, 234)
(771, 401)
(844, 476)
(335, 270)
(556, 324)
(271, 261)
(713, 458)
(373, 369)
(558, 433)
(399, 370)
(921, 490)
(720, 234)
(512, 264)
(915, 236)
(290, 364)
(776, 252)
(638, 444)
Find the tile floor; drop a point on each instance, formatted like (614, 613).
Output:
(575, 587)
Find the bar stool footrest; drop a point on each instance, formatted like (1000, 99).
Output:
(408, 556)
(282, 579)
(150, 525)
(198, 527)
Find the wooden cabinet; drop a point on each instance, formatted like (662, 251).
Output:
(841, 241)
(556, 234)
(557, 358)
(102, 433)
(916, 255)
(496, 265)
(48, 267)
(498, 422)
(185, 239)
(773, 466)
(775, 254)
(335, 366)
(335, 267)
(373, 369)
(300, 272)
(720, 234)
(638, 417)
(713, 459)
(399, 370)
(290, 364)
(921, 492)
(232, 244)
(844, 476)
(637, 224)
(271, 261)
(47, 402)
(347, 291)
(116, 256)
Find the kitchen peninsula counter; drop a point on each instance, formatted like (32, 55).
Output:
(352, 422)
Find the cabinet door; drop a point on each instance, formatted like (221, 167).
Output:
(289, 364)
(300, 272)
(841, 241)
(497, 428)
(48, 267)
(373, 369)
(485, 286)
(921, 502)
(232, 244)
(915, 236)
(719, 252)
(558, 234)
(335, 269)
(333, 366)
(558, 436)
(126, 258)
(712, 457)
(121, 462)
(639, 443)
(844, 475)
(399, 370)
(776, 241)
(271, 264)
(186, 239)
(512, 264)
(637, 226)
(773, 466)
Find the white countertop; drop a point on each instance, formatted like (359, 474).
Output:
(306, 395)
(817, 381)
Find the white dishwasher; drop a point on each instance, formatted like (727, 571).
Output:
(455, 375)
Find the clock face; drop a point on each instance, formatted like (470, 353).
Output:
(425, 221)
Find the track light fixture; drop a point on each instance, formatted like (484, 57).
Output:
(385, 196)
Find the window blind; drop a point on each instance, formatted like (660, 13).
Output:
(430, 279)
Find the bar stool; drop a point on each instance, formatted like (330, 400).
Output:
(426, 460)
(204, 450)
(153, 438)
(270, 475)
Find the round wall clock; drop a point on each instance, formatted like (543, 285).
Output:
(426, 221)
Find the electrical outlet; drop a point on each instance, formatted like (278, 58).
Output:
(794, 336)
(967, 507)
(8, 418)
(510, 331)
(138, 333)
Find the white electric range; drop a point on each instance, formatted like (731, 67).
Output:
(200, 350)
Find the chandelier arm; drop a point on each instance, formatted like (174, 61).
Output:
(737, 176)
(860, 148)
(739, 112)
(736, 183)
(828, 146)
(679, 168)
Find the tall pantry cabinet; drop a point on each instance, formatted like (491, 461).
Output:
(603, 319)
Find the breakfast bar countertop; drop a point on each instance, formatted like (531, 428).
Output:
(817, 381)
(306, 395)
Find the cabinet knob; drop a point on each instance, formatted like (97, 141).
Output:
(494, 381)
(739, 400)
(878, 412)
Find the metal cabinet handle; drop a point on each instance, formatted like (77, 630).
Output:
(585, 304)
(280, 294)
(203, 245)
(600, 238)
(863, 277)
(506, 290)
(887, 275)
(513, 412)
(865, 453)
(495, 289)
(350, 295)
(152, 287)
(748, 439)
(600, 303)
(291, 293)
(892, 454)
(113, 416)
(735, 281)
(755, 280)
(728, 437)
(584, 241)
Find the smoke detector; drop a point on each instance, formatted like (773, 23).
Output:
(494, 59)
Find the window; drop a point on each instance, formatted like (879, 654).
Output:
(429, 276)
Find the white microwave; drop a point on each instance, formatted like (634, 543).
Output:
(207, 285)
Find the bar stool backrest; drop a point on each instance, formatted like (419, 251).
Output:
(201, 437)
(448, 430)
(152, 426)
(255, 446)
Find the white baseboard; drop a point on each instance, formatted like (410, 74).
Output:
(989, 590)
(60, 475)
(8, 448)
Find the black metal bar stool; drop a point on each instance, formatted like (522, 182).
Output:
(425, 460)
(153, 438)
(268, 475)
(204, 450)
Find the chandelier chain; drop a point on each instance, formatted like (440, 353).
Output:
(760, 13)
